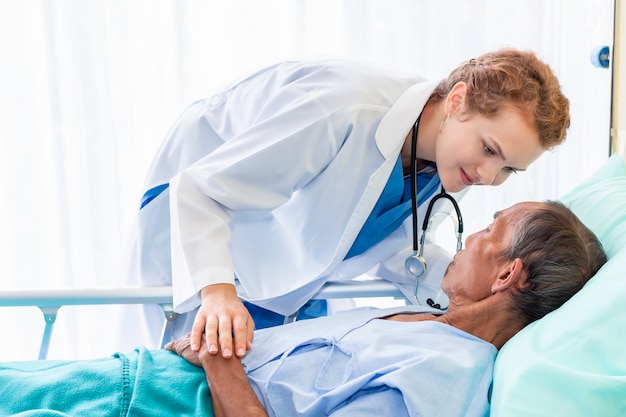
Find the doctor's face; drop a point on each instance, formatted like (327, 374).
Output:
(476, 150)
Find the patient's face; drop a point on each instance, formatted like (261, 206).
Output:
(472, 272)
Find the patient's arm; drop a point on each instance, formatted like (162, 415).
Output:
(230, 391)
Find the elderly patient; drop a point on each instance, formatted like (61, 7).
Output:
(380, 362)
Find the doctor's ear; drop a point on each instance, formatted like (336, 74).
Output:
(455, 101)
(512, 275)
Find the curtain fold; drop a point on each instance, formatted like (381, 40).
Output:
(90, 88)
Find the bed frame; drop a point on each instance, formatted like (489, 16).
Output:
(49, 301)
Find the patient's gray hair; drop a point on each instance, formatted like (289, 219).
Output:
(559, 253)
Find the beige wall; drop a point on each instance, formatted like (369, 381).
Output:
(619, 81)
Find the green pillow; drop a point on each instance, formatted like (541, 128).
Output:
(573, 361)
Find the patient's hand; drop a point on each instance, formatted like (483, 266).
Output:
(225, 376)
(182, 347)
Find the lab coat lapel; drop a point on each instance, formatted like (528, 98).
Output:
(399, 120)
(389, 139)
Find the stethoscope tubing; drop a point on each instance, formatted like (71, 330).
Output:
(418, 246)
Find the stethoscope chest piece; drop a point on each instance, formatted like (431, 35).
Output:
(415, 265)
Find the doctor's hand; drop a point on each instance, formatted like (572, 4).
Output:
(224, 320)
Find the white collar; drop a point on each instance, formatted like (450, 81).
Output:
(399, 120)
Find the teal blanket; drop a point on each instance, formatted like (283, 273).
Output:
(141, 383)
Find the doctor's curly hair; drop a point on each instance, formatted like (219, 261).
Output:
(508, 77)
(559, 254)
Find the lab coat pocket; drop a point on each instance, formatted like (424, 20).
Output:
(336, 368)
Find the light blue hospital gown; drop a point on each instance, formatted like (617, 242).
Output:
(351, 364)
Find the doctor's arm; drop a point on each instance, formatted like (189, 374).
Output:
(242, 175)
(231, 394)
(199, 258)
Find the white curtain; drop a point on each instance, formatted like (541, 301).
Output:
(88, 89)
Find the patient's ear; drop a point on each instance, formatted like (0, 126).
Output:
(512, 275)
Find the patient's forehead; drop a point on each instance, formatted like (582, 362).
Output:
(508, 218)
(530, 205)
(519, 209)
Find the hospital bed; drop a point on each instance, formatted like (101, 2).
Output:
(570, 363)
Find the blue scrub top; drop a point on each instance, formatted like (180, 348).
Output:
(393, 206)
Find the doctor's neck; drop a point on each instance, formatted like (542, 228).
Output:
(428, 128)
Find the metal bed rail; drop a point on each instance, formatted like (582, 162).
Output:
(49, 301)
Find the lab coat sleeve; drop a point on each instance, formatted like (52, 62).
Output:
(291, 140)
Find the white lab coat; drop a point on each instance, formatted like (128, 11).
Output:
(271, 180)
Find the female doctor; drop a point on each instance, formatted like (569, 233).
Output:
(268, 189)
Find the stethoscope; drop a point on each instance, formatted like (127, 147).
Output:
(416, 264)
